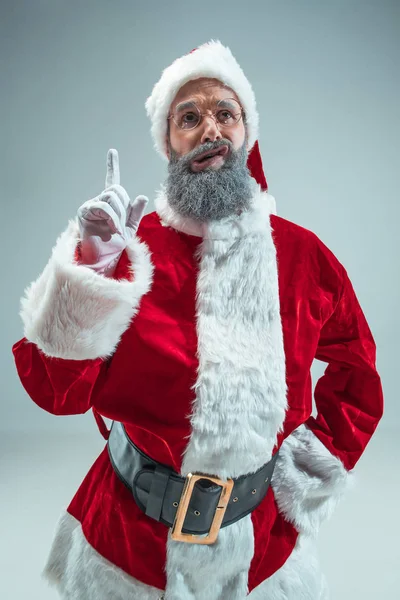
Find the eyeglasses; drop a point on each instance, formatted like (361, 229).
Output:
(187, 115)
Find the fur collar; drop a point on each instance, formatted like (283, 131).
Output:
(235, 226)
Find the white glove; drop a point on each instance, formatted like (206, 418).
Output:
(108, 222)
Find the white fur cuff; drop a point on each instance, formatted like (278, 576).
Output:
(72, 312)
(308, 481)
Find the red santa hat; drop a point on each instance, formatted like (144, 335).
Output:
(208, 60)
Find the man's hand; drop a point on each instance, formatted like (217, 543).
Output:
(109, 222)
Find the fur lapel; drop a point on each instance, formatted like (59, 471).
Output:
(240, 401)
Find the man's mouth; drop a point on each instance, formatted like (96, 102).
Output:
(212, 158)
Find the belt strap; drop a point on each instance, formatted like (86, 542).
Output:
(157, 488)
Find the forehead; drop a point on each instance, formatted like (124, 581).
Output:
(203, 90)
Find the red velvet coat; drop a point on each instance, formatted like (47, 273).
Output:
(147, 380)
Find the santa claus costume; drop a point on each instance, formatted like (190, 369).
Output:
(200, 346)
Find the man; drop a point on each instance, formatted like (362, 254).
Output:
(194, 329)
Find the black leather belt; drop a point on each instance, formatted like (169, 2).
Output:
(196, 505)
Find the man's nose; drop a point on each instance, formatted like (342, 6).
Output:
(210, 131)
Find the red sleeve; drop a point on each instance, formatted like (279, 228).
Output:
(59, 386)
(349, 396)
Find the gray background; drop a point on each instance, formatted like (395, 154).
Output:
(75, 76)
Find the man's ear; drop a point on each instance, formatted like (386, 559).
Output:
(167, 142)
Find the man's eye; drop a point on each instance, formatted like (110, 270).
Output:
(190, 117)
(224, 115)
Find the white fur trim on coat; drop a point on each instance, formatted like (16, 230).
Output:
(300, 578)
(79, 572)
(308, 481)
(228, 228)
(208, 60)
(72, 312)
(240, 401)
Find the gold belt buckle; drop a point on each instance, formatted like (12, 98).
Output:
(210, 538)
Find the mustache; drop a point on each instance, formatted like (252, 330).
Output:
(186, 160)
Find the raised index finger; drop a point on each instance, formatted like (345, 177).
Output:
(112, 168)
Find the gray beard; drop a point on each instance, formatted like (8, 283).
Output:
(209, 194)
